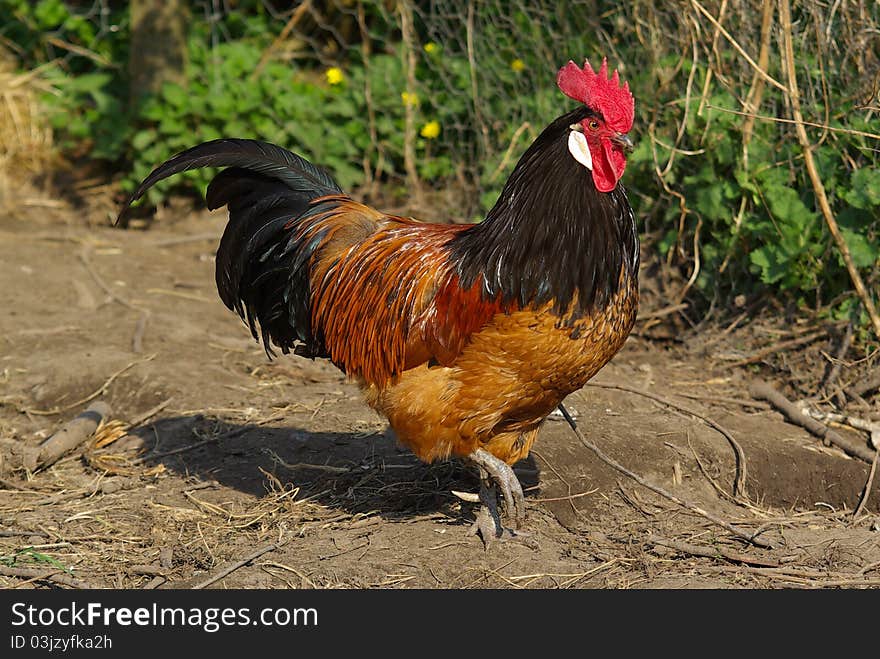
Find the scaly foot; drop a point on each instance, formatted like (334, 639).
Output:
(496, 474)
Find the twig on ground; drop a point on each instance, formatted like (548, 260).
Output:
(561, 478)
(137, 339)
(56, 576)
(232, 567)
(578, 495)
(779, 347)
(712, 552)
(837, 362)
(742, 402)
(739, 484)
(293, 466)
(87, 264)
(871, 427)
(763, 391)
(863, 500)
(148, 570)
(100, 390)
(741, 533)
(288, 568)
(71, 435)
(864, 386)
(704, 471)
(660, 313)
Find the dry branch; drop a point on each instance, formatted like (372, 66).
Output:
(285, 32)
(763, 391)
(54, 575)
(712, 552)
(863, 500)
(871, 427)
(866, 385)
(733, 42)
(837, 363)
(71, 435)
(739, 483)
(779, 347)
(741, 533)
(232, 567)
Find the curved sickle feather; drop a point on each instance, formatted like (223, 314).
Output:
(295, 172)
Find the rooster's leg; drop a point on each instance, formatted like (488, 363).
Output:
(495, 475)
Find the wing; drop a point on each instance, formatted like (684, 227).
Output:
(389, 300)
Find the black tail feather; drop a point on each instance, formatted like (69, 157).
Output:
(272, 161)
(261, 269)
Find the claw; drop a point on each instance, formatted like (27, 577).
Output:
(495, 474)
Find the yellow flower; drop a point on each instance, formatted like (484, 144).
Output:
(430, 130)
(517, 65)
(409, 99)
(430, 47)
(335, 76)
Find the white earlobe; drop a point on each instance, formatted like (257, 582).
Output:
(578, 147)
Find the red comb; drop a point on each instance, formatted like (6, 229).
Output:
(600, 92)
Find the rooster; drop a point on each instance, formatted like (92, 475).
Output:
(464, 336)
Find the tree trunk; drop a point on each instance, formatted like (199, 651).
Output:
(158, 46)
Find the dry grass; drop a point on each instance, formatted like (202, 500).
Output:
(26, 147)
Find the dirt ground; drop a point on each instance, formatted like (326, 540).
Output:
(215, 452)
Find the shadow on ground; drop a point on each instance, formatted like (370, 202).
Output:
(356, 472)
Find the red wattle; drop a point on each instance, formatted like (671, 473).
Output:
(608, 165)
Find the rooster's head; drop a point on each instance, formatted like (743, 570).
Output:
(599, 142)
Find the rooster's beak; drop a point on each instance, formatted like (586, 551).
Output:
(624, 142)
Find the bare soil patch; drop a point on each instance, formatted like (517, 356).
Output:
(239, 453)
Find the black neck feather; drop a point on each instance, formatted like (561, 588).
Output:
(551, 235)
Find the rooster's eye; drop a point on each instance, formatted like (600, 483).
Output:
(594, 125)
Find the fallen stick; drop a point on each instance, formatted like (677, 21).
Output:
(863, 500)
(232, 567)
(71, 435)
(712, 552)
(779, 347)
(660, 313)
(739, 482)
(866, 385)
(57, 576)
(745, 535)
(97, 392)
(837, 362)
(871, 427)
(763, 391)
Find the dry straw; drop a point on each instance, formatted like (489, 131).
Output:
(25, 134)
